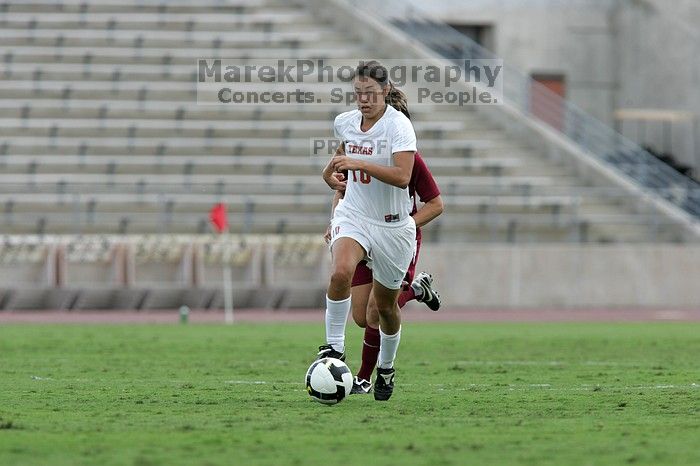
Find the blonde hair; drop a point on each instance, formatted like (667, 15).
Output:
(378, 72)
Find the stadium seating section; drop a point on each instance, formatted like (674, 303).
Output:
(100, 134)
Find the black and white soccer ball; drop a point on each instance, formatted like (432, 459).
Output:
(328, 381)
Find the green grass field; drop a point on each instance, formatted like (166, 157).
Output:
(466, 394)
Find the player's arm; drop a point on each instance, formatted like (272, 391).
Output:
(399, 175)
(430, 211)
(337, 196)
(427, 189)
(402, 140)
(329, 171)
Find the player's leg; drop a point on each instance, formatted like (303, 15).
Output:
(346, 253)
(408, 293)
(393, 250)
(361, 287)
(421, 287)
(360, 296)
(370, 342)
(423, 290)
(372, 317)
(383, 303)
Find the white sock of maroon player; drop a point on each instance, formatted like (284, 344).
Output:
(417, 289)
(336, 317)
(387, 349)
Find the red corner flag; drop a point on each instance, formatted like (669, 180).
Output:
(217, 216)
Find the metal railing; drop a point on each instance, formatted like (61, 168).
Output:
(597, 139)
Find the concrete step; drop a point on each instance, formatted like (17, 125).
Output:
(150, 6)
(157, 38)
(270, 19)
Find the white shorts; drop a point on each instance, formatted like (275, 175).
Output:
(389, 249)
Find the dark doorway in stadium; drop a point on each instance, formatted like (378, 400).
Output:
(482, 34)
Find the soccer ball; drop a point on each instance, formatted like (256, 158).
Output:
(328, 381)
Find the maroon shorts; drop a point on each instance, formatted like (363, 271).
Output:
(363, 274)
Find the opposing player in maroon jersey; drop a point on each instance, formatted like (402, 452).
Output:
(418, 287)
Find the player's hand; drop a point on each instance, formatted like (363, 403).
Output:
(327, 236)
(336, 181)
(341, 163)
(340, 177)
(339, 184)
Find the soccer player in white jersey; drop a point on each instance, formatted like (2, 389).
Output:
(373, 223)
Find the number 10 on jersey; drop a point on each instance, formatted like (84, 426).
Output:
(364, 177)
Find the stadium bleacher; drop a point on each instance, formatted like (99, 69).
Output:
(101, 134)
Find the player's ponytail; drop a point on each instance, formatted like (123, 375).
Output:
(375, 70)
(397, 99)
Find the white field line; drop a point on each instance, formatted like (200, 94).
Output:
(470, 387)
(550, 363)
(585, 388)
(258, 382)
(476, 362)
(512, 387)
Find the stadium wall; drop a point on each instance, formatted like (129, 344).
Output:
(292, 272)
(565, 276)
(659, 68)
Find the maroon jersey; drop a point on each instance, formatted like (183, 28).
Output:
(423, 184)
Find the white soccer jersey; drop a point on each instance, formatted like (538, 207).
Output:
(371, 199)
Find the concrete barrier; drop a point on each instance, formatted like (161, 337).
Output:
(565, 276)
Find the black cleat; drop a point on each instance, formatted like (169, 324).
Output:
(430, 297)
(384, 384)
(361, 387)
(327, 351)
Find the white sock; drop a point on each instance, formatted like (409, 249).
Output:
(336, 317)
(387, 349)
(417, 289)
